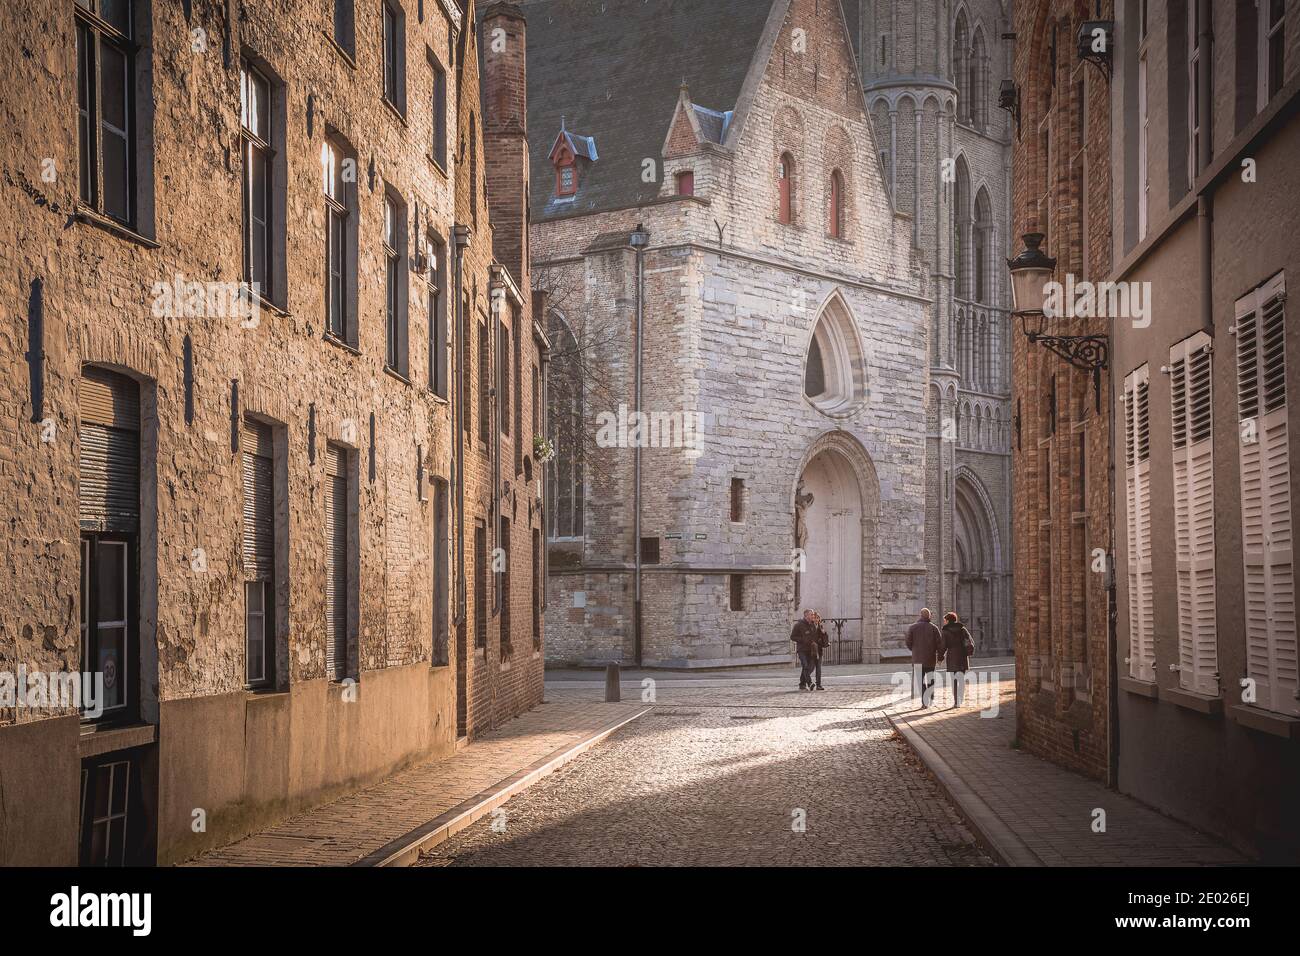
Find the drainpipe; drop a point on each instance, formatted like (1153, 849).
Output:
(1205, 152)
(638, 239)
(458, 438)
(496, 295)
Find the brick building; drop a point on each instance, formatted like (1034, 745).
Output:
(262, 487)
(1061, 415)
(1206, 206)
(931, 70)
(719, 252)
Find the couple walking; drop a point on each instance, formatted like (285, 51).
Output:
(810, 639)
(929, 645)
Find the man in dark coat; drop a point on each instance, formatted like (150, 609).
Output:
(808, 636)
(926, 644)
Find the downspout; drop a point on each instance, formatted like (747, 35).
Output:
(639, 238)
(458, 438)
(494, 436)
(1205, 152)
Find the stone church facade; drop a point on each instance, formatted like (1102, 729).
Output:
(714, 243)
(931, 71)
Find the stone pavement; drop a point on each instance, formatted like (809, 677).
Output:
(1031, 812)
(742, 775)
(389, 823)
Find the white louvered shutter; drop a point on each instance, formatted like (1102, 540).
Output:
(1270, 624)
(1137, 485)
(1190, 396)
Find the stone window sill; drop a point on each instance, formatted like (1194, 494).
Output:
(1200, 703)
(96, 740)
(1279, 725)
(92, 218)
(348, 58)
(339, 343)
(1139, 688)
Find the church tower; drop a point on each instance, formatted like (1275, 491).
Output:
(931, 69)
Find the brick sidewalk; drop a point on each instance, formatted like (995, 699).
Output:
(387, 823)
(1031, 812)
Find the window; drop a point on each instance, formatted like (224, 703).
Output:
(439, 114)
(736, 584)
(259, 181)
(437, 318)
(441, 573)
(566, 173)
(258, 552)
(1144, 128)
(833, 364)
(1272, 49)
(567, 432)
(538, 585)
(1191, 420)
(503, 586)
(465, 353)
(480, 584)
(503, 372)
(737, 499)
(785, 188)
(395, 315)
(1137, 483)
(340, 581)
(686, 183)
(837, 205)
(473, 170)
(649, 550)
(106, 109)
(1266, 530)
(1193, 91)
(394, 57)
(339, 181)
(344, 26)
(484, 384)
(108, 830)
(109, 507)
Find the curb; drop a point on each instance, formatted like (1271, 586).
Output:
(998, 838)
(406, 849)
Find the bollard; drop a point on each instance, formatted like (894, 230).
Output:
(611, 682)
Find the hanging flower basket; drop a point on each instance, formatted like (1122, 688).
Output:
(543, 450)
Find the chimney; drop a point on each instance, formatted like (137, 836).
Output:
(503, 43)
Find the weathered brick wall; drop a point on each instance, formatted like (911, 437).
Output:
(505, 677)
(1062, 642)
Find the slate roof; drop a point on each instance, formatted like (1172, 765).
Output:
(613, 69)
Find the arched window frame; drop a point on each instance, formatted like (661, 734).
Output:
(836, 211)
(786, 170)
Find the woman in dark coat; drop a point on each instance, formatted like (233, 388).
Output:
(957, 650)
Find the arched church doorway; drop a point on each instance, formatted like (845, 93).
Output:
(829, 529)
(978, 560)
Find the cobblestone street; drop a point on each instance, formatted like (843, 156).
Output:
(722, 776)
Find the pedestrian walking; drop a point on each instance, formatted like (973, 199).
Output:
(808, 636)
(925, 642)
(958, 647)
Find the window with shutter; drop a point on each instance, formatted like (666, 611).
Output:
(1266, 499)
(1193, 463)
(1137, 484)
(108, 495)
(258, 550)
(337, 475)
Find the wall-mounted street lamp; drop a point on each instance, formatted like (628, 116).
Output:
(1096, 43)
(1031, 271)
(1009, 100)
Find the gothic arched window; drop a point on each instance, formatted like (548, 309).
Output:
(837, 205)
(565, 387)
(785, 189)
(834, 367)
